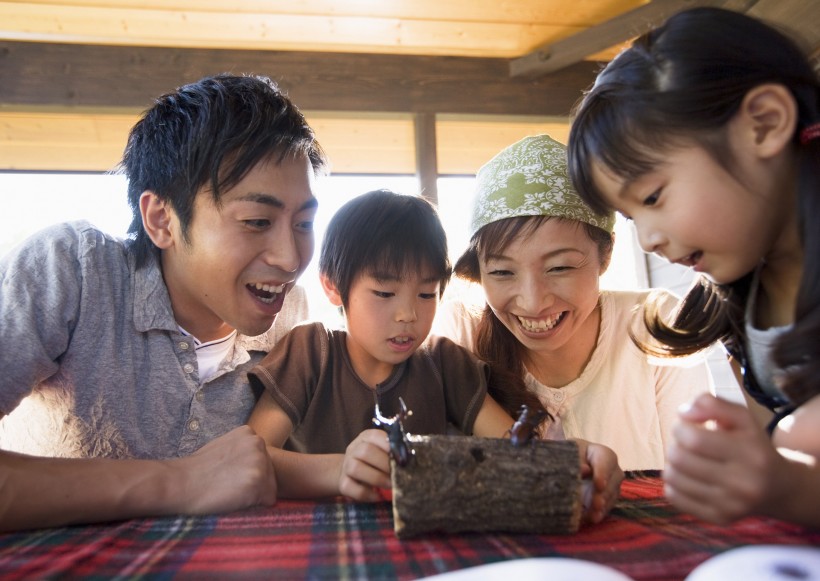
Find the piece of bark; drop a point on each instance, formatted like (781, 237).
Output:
(460, 484)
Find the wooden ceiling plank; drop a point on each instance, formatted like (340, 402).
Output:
(270, 31)
(70, 75)
(553, 57)
(800, 18)
(559, 12)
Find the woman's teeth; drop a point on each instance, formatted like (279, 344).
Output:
(540, 325)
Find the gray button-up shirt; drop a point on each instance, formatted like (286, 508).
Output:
(92, 362)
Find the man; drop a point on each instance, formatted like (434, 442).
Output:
(123, 388)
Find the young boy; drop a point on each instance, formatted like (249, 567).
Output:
(384, 260)
(124, 363)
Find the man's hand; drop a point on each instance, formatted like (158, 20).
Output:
(229, 473)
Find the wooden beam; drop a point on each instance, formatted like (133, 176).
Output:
(553, 57)
(72, 75)
(426, 155)
(478, 28)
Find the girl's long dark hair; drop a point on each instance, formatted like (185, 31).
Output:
(494, 343)
(683, 82)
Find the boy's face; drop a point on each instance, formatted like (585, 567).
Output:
(387, 319)
(242, 257)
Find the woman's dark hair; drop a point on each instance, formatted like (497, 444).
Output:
(494, 343)
(683, 82)
(384, 234)
(210, 132)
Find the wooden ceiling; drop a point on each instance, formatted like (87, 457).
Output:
(408, 86)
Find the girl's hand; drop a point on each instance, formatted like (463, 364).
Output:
(366, 467)
(601, 465)
(721, 466)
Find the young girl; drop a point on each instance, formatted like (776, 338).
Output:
(706, 132)
(538, 252)
(384, 260)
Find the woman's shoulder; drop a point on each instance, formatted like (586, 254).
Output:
(632, 300)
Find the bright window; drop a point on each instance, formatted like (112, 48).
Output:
(32, 201)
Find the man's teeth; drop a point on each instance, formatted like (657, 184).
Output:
(268, 288)
(538, 325)
(265, 292)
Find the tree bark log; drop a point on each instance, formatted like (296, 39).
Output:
(460, 484)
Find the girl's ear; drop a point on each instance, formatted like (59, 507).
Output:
(157, 217)
(331, 291)
(769, 116)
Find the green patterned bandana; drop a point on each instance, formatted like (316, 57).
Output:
(529, 178)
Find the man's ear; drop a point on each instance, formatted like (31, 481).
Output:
(768, 117)
(156, 219)
(331, 291)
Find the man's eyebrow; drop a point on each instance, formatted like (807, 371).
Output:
(272, 200)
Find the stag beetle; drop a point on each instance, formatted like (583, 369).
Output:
(400, 449)
(524, 427)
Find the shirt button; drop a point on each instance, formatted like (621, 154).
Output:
(193, 425)
(199, 396)
(188, 368)
(559, 396)
(183, 345)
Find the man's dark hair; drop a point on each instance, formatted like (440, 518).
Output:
(211, 132)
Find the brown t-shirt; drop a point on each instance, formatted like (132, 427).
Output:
(309, 375)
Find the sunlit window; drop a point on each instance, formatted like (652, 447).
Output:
(32, 201)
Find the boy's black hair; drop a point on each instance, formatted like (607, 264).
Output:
(211, 132)
(382, 233)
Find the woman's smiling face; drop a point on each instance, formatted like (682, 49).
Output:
(545, 284)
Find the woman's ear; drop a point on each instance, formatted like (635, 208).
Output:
(157, 217)
(768, 118)
(606, 260)
(331, 291)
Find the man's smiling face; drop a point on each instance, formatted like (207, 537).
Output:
(242, 256)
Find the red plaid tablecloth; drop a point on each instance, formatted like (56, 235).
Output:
(644, 538)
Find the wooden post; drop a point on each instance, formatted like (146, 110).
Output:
(426, 155)
(461, 484)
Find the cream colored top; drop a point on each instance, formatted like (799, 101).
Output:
(622, 399)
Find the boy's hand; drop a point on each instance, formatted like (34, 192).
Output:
(229, 473)
(366, 467)
(600, 464)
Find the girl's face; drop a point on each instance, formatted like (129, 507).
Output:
(544, 285)
(691, 211)
(387, 320)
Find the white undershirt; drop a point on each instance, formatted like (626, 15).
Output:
(760, 343)
(210, 355)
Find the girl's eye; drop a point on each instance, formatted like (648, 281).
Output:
(652, 199)
(500, 272)
(428, 296)
(383, 294)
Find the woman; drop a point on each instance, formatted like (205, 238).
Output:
(550, 335)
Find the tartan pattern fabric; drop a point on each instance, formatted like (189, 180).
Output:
(644, 538)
